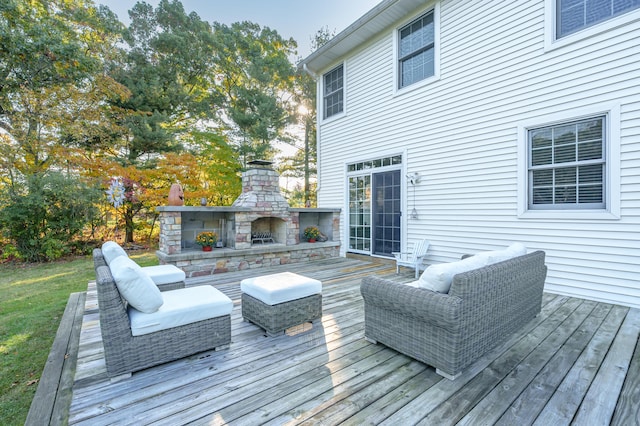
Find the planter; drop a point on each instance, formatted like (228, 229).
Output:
(207, 248)
(312, 240)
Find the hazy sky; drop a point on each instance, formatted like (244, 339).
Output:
(299, 19)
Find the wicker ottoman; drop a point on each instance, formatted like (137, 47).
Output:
(280, 301)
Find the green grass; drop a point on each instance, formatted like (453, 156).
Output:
(32, 300)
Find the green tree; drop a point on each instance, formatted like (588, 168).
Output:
(166, 68)
(255, 79)
(303, 163)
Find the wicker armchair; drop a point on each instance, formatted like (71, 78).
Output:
(483, 308)
(125, 353)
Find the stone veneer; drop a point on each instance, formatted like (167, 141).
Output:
(260, 207)
(199, 263)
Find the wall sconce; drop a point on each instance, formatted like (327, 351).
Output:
(413, 179)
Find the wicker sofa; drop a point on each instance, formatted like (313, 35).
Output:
(482, 309)
(126, 353)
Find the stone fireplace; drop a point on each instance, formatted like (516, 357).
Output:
(259, 229)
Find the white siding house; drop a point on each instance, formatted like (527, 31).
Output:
(476, 124)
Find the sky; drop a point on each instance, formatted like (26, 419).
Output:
(297, 19)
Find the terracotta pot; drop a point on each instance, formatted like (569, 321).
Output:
(312, 240)
(207, 248)
(176, 196)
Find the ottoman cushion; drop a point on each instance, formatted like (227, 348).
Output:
(280, 288)
(164, 274)
(180, 307)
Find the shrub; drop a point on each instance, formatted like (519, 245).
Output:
(44, 216)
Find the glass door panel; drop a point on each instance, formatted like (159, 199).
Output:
(360, 213)
(386, 212)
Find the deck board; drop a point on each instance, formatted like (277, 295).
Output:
(575, 359)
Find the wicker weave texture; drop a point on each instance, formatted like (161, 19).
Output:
(274, 319)
(483, 308)
(125, 353)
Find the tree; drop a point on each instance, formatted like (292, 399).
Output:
(255, 79)
(166, 68)
(51, 74)
(303, 163)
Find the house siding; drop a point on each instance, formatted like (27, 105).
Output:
(461, 132)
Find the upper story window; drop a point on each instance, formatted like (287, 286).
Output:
(416, 50)
(333, 96)
(567, 165)
(574, 15)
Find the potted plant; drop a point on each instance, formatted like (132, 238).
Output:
(207, 240)
(311, 233)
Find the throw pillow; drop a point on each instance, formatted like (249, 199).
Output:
(111, 250)
(439, 277)
(135, 285)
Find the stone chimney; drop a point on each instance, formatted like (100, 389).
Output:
(269, 211)
(261, 190)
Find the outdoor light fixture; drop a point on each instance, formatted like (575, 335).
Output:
(414, 179)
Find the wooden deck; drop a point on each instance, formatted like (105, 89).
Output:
(577, 363)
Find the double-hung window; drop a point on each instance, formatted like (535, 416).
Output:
(567, 165)
(333, 94)
(416, 50)
(574, 15)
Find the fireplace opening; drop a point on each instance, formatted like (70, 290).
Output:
(268, 230)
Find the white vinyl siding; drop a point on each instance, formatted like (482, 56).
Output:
(462, 133)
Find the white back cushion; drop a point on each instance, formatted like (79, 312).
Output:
(495, 256)
(111, 250)
(135, 285)
(439, 277)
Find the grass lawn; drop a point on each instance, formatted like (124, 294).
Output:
(32, 300)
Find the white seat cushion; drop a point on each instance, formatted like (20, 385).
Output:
(164, 274)
(280, 288)
(135, 285)
(181, 307)
(111, 250)
(439, 277)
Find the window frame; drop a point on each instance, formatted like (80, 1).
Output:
(574, 165)
(397, 75)
(611, 155)
(324, 96)
(552, 41)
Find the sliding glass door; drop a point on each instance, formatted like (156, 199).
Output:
(374, 206)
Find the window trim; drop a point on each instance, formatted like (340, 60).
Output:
(321, 99)
(611, 210)
(552, 42)
(397, 90)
